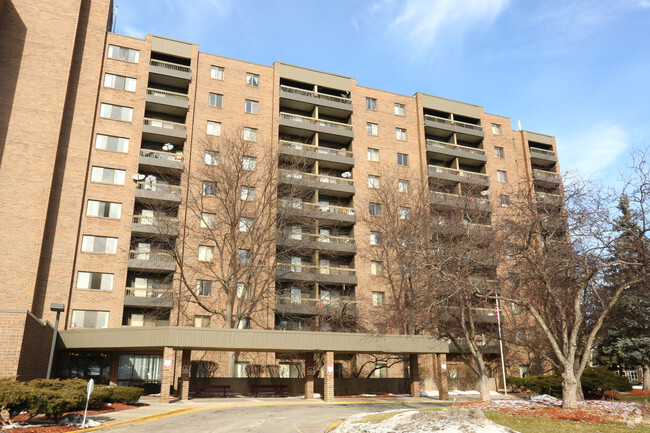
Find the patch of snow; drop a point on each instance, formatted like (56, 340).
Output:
(637, 386)
(455, 392)
(546, 399)
(91, 423)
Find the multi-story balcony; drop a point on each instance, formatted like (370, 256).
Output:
(329, 212)
(435, 123)
(160, 161)
(294, 240)
(296, 121)
(471, 155)
(455, 200)
(548, 177)
(165, 101)
(342, 158)
(163, 130)
(157, 226)
(315, 98)
(158, 192)
(154, 260)
(542, 156)
(160, 296)
(313, 273)
(458, 175)
(335, 186)
(548, 198)
(307, 305)
(169, 74)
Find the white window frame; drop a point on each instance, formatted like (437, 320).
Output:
(400, 109)
(208, 220)
(404, 186)
(78, 319)
(103, 209)
(213, 128)
(206, 254)
(93, 244)
(211, 157)
(208, 187)
(373, 154)
(112, 143)
(217, 98)
(502, 176)
(400, 134)
(217, 72)
(85, 281)
(123, 53)
(378, 299)
(109, 176)
(113, 81)
(247, 193)
(372, 128)
(251, 106)
(374, 181)
(249, 163)
(252, 79)
(250, 134)
(375, 238)
(496, 129)
(116, 112)
(371, 103)
(403, 159)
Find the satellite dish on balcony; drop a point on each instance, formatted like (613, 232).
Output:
(138, 177)
(167, 147)
(484, 193)
(346, 175)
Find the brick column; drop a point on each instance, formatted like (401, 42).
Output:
(427, 373)
(414, 373)
(328, 388)
(441, 373)
(309, 378)
(185, 374)
(115, 365)
(167, 373)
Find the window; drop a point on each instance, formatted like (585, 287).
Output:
(122, 53)
(251, 106)
(119, 82)
(504, 200)
(204, 287)
(252, 80)
(211, 157)
(404, 186)
(249, 163)
(373, 181)
(104, 209)
(241, 369)
(107, 175)
(400, 134)
(208, 220)
(371, 104)
(377, 299)
(94, 281)
(215, 100)
(376, 267)
(403, 159)
(496, 129)
(216, 72)
(109, 142)
(381, 371)
(250, 134)
(507, 226)
(213, 128)
(374, 209)
(244, 323)
(244, 257)
(510, 252)
(201, 321)
(499, 152)
(502, 176)
(209, 188)
(245, 224)
(371, 128)
(116, 112)
(400, 110)
(523, 370)
(520, 335)
(373, 154)
(375, 238)
(89, 319)
(248, 193)
(516, 308)
(289, 370)
(404, 213)
(206, 253)
(98, 244)
(243, 289)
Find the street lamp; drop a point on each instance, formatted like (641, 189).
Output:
(59, 308)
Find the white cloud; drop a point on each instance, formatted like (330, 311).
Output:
(644, 4)
(593, 151)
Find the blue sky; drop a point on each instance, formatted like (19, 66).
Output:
(579, 70)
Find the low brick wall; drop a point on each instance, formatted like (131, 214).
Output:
(24, 345)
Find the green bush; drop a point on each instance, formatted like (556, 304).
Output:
(551, 385)
(13, 394)
(100, 395)
(126, 394)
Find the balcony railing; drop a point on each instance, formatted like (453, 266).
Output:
(316, 207)
(470, 174)
(308, 299)
(322, 270)
(315, 149)
(167, 94)
(327, 239)
(159, 154)
(548, 196)
(452, 146)
(316, 177)
(154, 221)
(542, 151)
(162, 291)
(544, 173)
(165, 124)
(154, 255)
(314, 121)
(458, 198)
(318, 95)
(479, 226)
(452, 122)
(170, 65)
(159, 187)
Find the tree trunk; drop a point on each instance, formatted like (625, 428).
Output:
(484, 385)
(646, 377)
(231, 364)
(570, 385)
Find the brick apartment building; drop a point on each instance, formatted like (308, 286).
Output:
(104, 135)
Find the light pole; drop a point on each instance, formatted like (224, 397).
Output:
(59, 308)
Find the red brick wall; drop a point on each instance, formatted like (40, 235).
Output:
(24, 345)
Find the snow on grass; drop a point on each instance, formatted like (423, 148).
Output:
(455, 392)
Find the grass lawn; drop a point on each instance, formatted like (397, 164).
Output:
(630, 397)
(542, 425)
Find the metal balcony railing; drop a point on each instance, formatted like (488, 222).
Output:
(313, 94)
(159, 154)
(169, 65)
(470, 174)
(458, 198)
(167, 94)
(453, 122)
(165, 124)
(316, 207)
(153, 255)
(162, 291)
(328, 239)
(292, 174)
(451, 146)
(544, 173)
(308, 299)
(542, 151)
(315, 149)
(314, 121)
(312, 269)
(154, 221)
(159, 187)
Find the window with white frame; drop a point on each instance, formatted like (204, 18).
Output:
(377, 299)
(496, 129)
(211, 157)
(249, 163)
(119, 82)
(241, 369)
(252, 79)
(371, 104)
(376, 267)
(374, 209)
(217, 72)
(251, 106)
(250, 134)
(523, 370)
(244, 290)
(499, 152)
(373, 181)
(201, 321)
(403, 186)
(381, 371)
(98, 244)
(123, 53)
(89, 319)
(248, 193)
(209, 188)
(204, 287)
(112, 143)
(504, 200)
(245, 224)
(213, 128)
(402, 159)
(104, 209)
(404, 213)
(107, 175)
(215, 100)
(400, 134)
(208, 220)
(244, 323)
(502, 176)
(516, 308)
(94, 281)
(375, 238)
(116, 112)
(206, 253)
(400, 109)
(373, 154)
(372, 128)
(244, 257)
